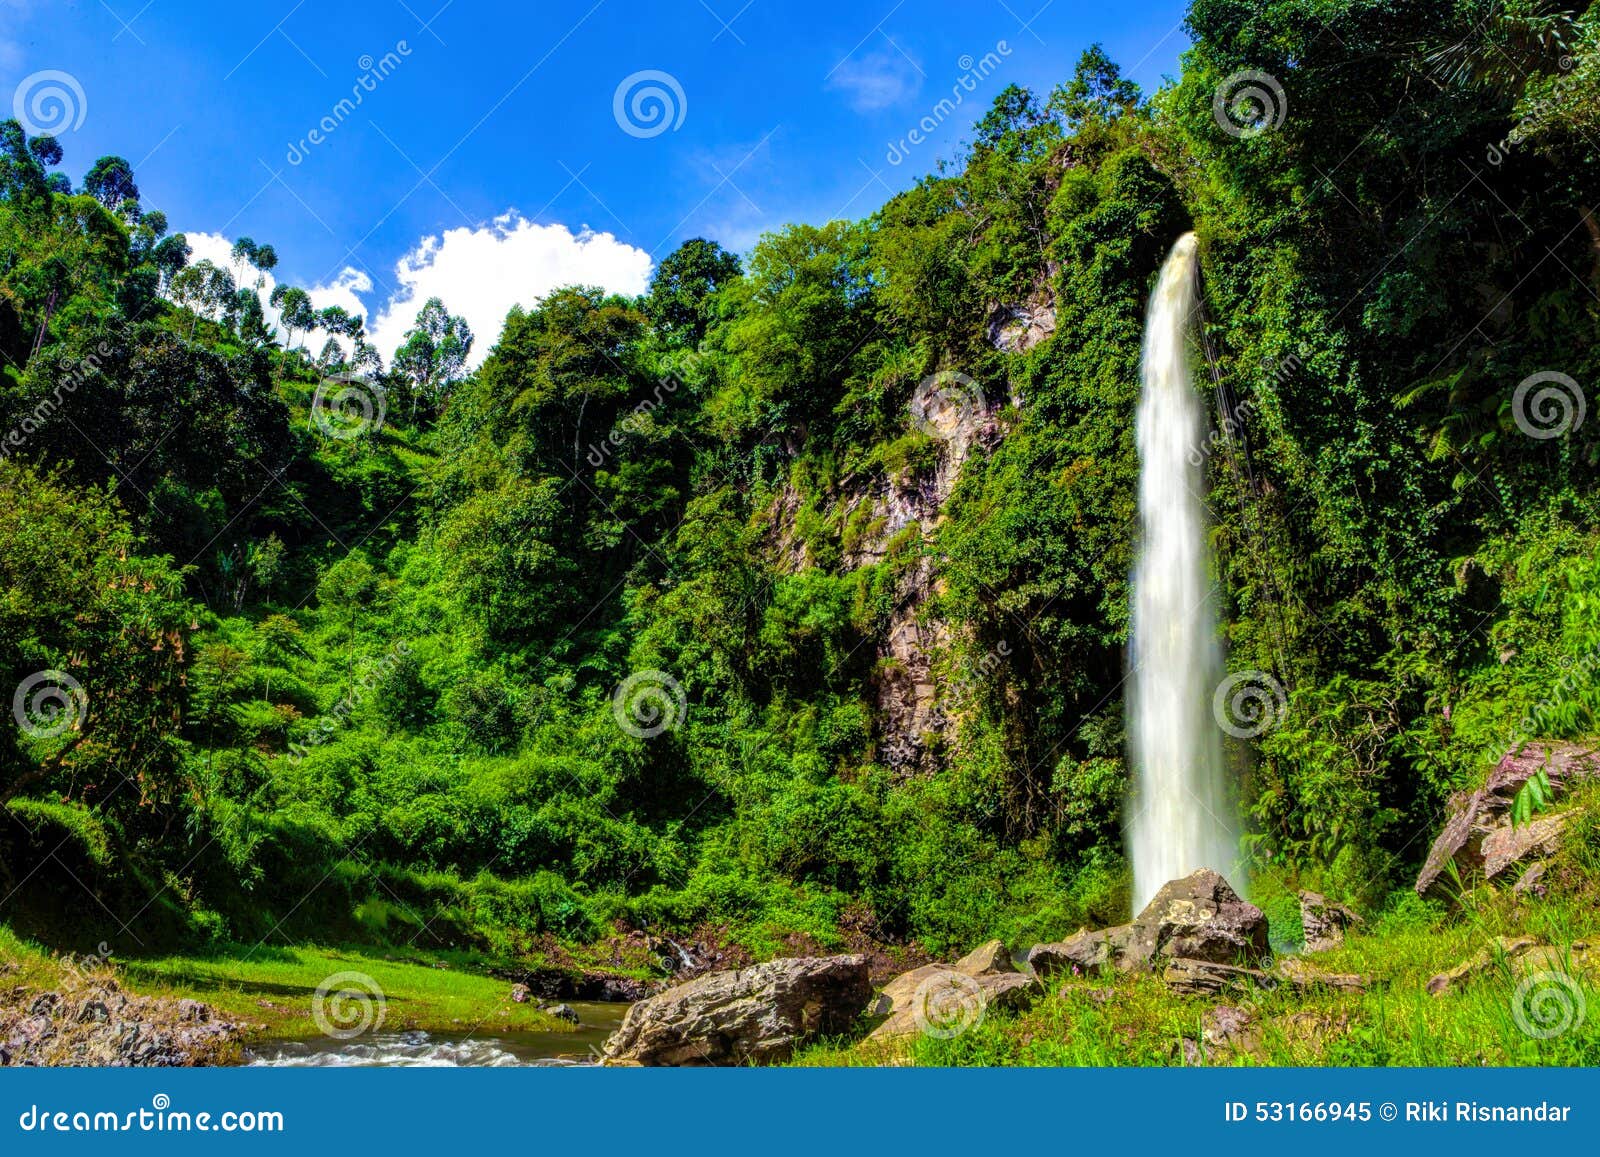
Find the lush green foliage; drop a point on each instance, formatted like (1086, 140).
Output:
(361, 678)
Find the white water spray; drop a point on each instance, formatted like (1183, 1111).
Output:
(1182, 819)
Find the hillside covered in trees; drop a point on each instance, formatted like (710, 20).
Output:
(786, 605)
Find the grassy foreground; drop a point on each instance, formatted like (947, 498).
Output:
(271, 992)
(1503, 1015)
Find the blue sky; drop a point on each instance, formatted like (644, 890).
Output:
(506, 135)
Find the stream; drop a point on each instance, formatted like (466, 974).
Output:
(416, 1048)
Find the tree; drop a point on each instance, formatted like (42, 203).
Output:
(679, 300)
(96, 634)
(331, 360)
(110, 181)
(1097, 91)
(433, 355)
(294, 310)
(205, 289)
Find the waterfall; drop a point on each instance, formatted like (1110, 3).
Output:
(1180, 811)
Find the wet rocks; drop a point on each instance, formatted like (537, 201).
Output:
(1197, 918)
(91, 1021)
(759, 1014)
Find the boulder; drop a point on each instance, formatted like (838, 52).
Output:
(563, 1012)
(1324, 921)
(1511, 844)
(944, 1001)
(1524, 956)
(1474, 819)
(993, 956)
(1228, 1027)
(759, 1014)
(1305, 976)
(1196, 918)
(1207, 977)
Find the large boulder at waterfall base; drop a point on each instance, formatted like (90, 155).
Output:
(755, 1015)
(1197, 918)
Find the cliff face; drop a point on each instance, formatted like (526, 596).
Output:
(913, 717)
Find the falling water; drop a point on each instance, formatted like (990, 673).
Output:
(1179, 806)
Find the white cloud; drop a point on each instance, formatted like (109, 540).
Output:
(877, 80)
(478, 273)
(342, 290)
(481, 273)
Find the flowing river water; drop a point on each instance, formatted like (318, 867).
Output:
(415, 1048)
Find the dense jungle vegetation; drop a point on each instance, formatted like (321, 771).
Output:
(400, 681)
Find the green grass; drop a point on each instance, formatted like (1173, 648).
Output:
(270, 991)
(1137, 1020)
